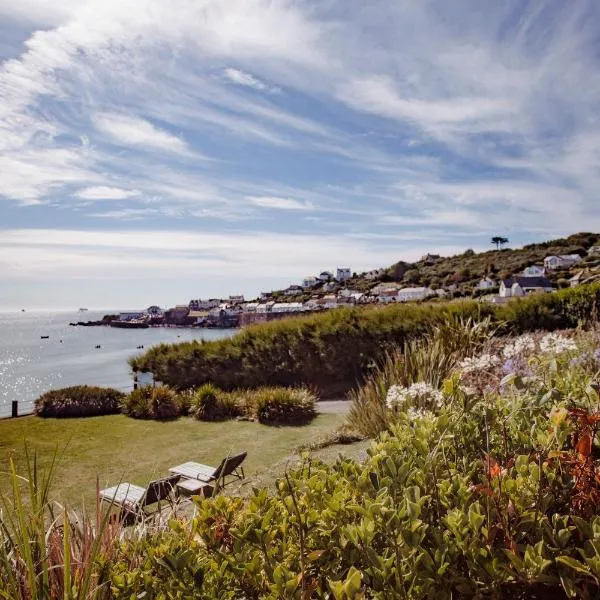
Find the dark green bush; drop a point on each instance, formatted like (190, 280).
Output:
(79, 401)
(333, 351)
(282, 406)
(149, 402)
(209, 403)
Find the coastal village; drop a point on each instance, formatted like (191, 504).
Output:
(342, 288)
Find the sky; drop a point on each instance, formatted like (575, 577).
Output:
(154, 151)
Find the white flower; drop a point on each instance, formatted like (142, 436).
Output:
(423, 392)
(479, 363)
(554, 343)
(396, 396)
(519, 346)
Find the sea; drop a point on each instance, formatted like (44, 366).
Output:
(30, 365)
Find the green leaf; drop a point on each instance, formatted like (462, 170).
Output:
(353, 582)
(315, 555)
(573, 563)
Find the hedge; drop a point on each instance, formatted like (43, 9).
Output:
(79, 401)
(331, 352)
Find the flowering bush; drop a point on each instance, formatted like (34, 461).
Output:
(555, 343)
(486, 496)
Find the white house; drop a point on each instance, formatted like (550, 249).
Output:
(287, 307)
(343, 273)
(561, 262)
(524, 285)
(330, 301)
(534, 271)
(309, 282)
(265, 307)
(250, 306)
(486, 284)
(508, 289)
(328, 286)
(594, 251)
(236, 299)
(346, 293)
(416, 293)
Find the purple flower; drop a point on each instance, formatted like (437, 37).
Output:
(510, 366)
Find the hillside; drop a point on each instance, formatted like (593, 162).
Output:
(466, 270)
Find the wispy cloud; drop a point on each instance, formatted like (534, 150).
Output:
(246, 79)
(102, 192)
(134, 131)
(280, 203)
(126, 214)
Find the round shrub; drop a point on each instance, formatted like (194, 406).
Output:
(283, 406)
(212, 404)
(79, 401)
(149, 402)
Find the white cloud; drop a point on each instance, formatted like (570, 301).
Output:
(279, 203)
(246, 79)
(126, 214)
(49, 253)
(103, 192)
(134, 131)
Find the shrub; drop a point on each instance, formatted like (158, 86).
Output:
(282, 406)
(149, 402)
(209, 403)
(79, 401)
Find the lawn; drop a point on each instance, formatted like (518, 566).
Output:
(118, 448)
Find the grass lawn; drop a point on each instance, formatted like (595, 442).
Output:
(118, 448)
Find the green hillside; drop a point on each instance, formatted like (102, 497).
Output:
(467, 269)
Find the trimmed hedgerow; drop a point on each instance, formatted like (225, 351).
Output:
(79, 401)
(332, 352)
(209, 403)
(152, 403)
(282, 406)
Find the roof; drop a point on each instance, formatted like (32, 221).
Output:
(528, 282)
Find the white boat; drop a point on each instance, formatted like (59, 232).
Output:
(82, 309)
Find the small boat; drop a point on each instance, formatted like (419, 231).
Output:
(83, 310)
(44, 337)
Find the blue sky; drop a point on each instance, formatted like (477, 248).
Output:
(154, 151)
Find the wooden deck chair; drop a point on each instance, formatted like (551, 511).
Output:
(133, 500)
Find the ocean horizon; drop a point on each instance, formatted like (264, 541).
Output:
(30, 365)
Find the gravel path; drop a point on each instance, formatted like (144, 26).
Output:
(334, 406)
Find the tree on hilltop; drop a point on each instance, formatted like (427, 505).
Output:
(499, 241)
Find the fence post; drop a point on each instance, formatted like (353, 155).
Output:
(15, 408)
